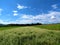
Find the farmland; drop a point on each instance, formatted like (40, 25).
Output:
(30, 35)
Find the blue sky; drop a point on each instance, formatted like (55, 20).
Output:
(29, 11)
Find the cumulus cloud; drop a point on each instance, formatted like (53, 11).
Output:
(21, 6)
(24, 16)
(24, 21)
(50, 17)
(7, 22)
(3, 22)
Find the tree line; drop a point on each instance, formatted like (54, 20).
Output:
(32, 24)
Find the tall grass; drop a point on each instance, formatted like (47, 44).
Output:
(29, 36)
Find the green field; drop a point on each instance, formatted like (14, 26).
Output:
(30, 35)
(50, 26)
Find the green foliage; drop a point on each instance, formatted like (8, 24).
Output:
(29, 36)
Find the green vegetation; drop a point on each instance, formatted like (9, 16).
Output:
(49, 26)
(7, 27)
(29, 35)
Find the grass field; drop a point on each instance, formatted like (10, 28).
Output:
(50, 26)
(30, 35)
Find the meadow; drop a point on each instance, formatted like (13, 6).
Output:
(30, 35)
(49, 26)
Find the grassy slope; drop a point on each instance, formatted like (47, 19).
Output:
(29, 36)
(49, 26)
(7, 27)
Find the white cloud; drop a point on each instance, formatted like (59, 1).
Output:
(15, 14)
(26, 16)
(54, 6)
(1, 21)
(15, 11)
(24, 21)
(7, 22)
(1, 9)
(21, 6)
(50, 17)
(4, 22)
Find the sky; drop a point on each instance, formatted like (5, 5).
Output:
(29, 11)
